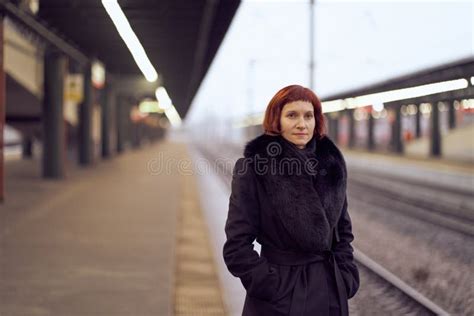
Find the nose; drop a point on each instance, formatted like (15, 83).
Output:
(301, 125)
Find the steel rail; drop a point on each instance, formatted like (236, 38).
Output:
(391, 278)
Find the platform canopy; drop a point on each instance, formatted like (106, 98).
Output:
(180, 37)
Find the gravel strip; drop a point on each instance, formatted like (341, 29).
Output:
(434, 261)
(377, 297)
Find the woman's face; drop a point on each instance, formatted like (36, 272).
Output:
(297, 122)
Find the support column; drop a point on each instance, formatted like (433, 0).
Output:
(370, 132)
(435, 131)
(85, 120)
(332, 120)
(55, 65)
(112, 121)
(351, 128)
(335, 132)
(135, 134)
(396, 130)
(121, 128)
(329, 125)
(144, 133)
(106, 125)
(149, 133)
(452, 115)
(27, 147)
(128, 124)
(418, 122)
(2, 111)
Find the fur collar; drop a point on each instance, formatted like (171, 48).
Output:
(306, 187)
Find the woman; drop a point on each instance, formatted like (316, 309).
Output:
(289, 193)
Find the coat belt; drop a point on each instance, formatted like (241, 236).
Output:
(287, 258)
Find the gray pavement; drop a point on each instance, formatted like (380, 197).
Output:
(99, 242)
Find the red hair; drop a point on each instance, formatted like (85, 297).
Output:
(271, 122)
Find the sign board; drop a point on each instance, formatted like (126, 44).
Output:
(74, 88)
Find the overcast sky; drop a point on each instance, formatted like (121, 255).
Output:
(356, 44)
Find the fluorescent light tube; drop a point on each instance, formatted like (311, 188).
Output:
(131, 40)
(394, 95)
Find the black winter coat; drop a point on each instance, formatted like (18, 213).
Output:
(293, 202)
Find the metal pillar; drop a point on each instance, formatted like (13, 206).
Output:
(418, 122)
(2, 110)
(128, 124)
(107, 100)
(121, 128)
(351, 128)
(136, 137)
(452, 115)
(335, 131)
(370, 133)
(435, 133)
(112, 120)
(145, 133)
(328, 124)
(27, 147)
(85, 120)
(55, 64)
(332, 120)
(397, 130)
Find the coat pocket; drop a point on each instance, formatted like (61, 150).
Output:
(264, 283)
(350, 276)
(288, 277)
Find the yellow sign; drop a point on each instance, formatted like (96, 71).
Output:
(74, 89)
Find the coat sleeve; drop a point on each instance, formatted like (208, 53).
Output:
(344, 252)
(241, 228)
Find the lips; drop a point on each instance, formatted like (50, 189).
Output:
(301, 134)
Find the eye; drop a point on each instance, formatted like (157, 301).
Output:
(309, 115)
(291, 114)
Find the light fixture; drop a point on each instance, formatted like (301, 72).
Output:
(442, 107)
(164, 100)
(457, 105)
(173, 116)
(404, 110)
(412, 109)
(467, 104)
(34, 6)
(332, 106)
(377, 106)
(165, 104)
(472, 81)
(131, 40)
(149, 106)
(412, 92)
(394, 95)
(425, 108)
(98, 74)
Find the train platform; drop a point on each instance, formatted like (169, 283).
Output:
(441, 164)
(425, 170)
(122, 237)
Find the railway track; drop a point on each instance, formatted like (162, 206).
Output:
(439, 206)
(390, 293)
